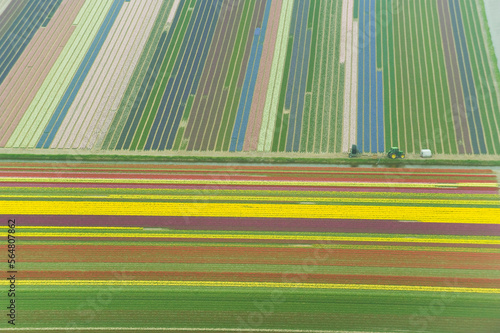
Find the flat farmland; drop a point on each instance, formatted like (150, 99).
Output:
(253, 248)
(271, 76)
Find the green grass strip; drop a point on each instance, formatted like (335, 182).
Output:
(334, 127)
(256, 268)
(330, 87)
(189, 106)
(272, 96)
(315, 113)
(356, 9)
(281, 103)
(322, 88)
(314, 45)
(305, 124)
(284, 130)
(178, 138)
(78, 242)
(182, 127)
(292, 309)
(335, 145)
(187, 158)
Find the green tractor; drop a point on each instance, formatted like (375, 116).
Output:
(395, 153)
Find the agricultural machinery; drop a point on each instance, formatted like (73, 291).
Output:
(354, 151)
(394, 153)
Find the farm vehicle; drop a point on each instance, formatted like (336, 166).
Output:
(394, 153)
(354, 151)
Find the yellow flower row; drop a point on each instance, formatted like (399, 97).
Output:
(251, 284)
(401, 213)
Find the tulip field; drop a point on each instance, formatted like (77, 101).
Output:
(223, 76)
(241, 248)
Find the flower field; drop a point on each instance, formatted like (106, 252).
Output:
(248, 76)
(253, 248)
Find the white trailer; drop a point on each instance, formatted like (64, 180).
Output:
(425, 153)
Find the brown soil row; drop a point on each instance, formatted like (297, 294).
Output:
(304, 277)
(203, 114)
(258, 255)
